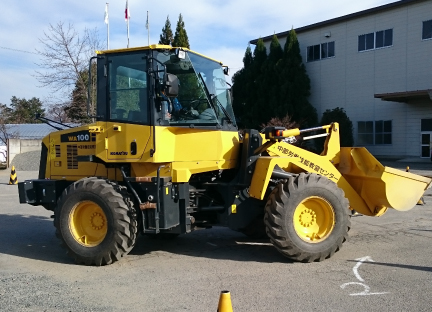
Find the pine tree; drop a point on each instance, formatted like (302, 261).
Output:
(249, 90)
(346, 129)
(257, 99)
(180, 36)
(77, 109)
(241, 88)
(24, 111)
(166, 36)
(272, 81)
(295, 88)
(273, 86)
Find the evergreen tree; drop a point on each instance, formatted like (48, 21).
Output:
(166, 36)
(295, 87)
(180, 36)
(273, 86)
(272, 81)
(5, 113)
(77, 109)
(257, 99)
(241, 87)
(345, 125)
(276, 51)
(24, 111)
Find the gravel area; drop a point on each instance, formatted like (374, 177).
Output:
(28, 161)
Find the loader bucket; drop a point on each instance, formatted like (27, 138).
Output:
(380, 186)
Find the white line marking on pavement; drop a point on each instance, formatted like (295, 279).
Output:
(359, 263)
(366, 291)
(363, 293)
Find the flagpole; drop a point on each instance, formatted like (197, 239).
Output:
(127, 15)
(107, 25)
(148, 29)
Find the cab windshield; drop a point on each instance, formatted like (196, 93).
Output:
(204, 96)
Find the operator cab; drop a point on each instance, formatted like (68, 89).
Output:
(163, 86)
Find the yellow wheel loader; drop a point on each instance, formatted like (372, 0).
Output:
(164, 157)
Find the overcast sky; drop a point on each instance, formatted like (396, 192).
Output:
(216, 28)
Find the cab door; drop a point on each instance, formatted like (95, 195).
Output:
(126, 141)
(128, 128)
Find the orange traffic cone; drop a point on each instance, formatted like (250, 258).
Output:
(13, 177)
(225, 302)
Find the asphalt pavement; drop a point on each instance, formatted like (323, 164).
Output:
(385, 266)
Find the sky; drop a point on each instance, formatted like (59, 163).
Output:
(216, 28)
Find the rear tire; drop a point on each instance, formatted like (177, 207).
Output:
(307, 218)
(95, 221)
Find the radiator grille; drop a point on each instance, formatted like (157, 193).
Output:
(72, 156)
(57, 151)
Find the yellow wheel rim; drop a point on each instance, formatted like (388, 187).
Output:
(314, 219)
(88, 223)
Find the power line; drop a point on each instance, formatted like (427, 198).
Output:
(20, 50)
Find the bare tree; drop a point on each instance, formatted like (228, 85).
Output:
(57, 112)
(64, 60)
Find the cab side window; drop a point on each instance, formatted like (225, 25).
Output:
(128, 96)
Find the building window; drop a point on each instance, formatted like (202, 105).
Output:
(320, 51)
(366, 42)
(365, 133)
(383, 132)
(378, 132)
(327, 49)
(384, 38)
(426, 125)
(376, 40)
(427, 30)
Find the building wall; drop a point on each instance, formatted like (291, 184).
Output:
(18, 146)
(351, 78)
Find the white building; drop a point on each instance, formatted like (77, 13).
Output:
(377, 65)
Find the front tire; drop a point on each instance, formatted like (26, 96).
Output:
(95, 221)
(307, 218)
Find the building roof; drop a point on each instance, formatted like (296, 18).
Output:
(405, 96)
(344, 18)
(31, 131)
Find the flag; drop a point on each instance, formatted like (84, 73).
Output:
(106, 14)
(127, 12)
(147, 22)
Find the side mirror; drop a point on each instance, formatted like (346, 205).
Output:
(181, 54)
(171, 85)
(226, 70)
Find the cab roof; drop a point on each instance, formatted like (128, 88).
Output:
(154, 47)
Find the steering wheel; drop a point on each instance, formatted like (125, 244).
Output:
(195, 103)
(185, 114)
